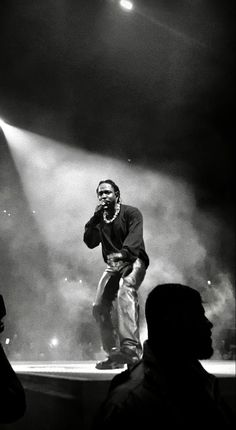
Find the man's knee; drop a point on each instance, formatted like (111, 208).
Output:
(136, 276)
(127, 292)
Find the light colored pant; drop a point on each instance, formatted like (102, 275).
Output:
(116, 307)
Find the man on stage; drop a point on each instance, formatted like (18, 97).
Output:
(119, 229)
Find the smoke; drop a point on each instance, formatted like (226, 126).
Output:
(55, 275)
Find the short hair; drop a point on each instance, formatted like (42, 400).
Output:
(165, 301)
(114, 186)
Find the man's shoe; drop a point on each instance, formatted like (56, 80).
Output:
(124, 355)
(108, 364)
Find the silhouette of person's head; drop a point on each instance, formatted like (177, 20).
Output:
(177, 324)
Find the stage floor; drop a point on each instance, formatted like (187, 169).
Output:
(62, 393)
(76, 370)
(85, 370)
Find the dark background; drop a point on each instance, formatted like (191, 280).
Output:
(156, 84)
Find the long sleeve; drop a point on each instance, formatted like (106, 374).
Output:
(134, 239)
(124, 235)
(92, 236)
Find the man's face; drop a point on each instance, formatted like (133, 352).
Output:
(198, 332)
(188, 330)
(106, 195)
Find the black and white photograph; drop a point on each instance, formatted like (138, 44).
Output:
(117, 214)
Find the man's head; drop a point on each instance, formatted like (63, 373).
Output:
(108, 192)
(177, 323)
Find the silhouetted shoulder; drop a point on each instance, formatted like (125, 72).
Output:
(129, 402)
(13, 403)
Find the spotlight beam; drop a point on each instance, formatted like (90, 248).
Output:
(2, 123)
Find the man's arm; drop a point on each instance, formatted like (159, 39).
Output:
(134, 239)
(92, 236)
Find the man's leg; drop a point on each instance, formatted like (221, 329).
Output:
(102, 312)
(128, 314)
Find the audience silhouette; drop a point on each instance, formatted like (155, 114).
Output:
(169, 388)
(12, 404)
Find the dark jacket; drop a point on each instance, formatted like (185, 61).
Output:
(12, 403)
(163, 395)
(124, 234)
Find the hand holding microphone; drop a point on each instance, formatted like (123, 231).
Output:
(102, 206)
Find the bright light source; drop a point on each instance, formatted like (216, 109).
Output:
(54, 342)
(126, 4)
(7, 341)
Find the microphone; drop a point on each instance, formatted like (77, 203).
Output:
(104, 205)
